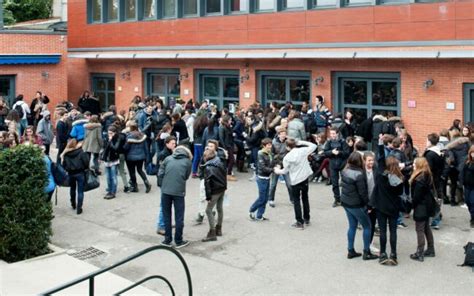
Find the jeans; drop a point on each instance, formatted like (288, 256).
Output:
(217, 200)
(22, 126)
(253, 155)
(136, 166)
(300, 192)
(160, 221)
(111, 173)
(469, 200)
(392, 224)
(259, 205)
(197, 157)
(152, 148)
(274, 183)
(240, 149)
(94, 157)
(423, 230)
(167, 201)
(77, 182)
(335, 183)
(354, 216)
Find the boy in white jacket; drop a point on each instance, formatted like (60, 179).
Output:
(296, 164)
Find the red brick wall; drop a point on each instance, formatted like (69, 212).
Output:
(429, 115)
(28, 77)
(449, 20)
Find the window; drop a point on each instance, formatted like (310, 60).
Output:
(324, 3)
(393, 1)
(190, 7)
(213, 6)
(281, 87)
(164, 84)
(367, 94)
(169, 8)
(293, 4)
(103, 86)
(357, 2)
(265, 5)
(96, 11)
(149, 9)
(112, 10)
(7, 89)
(219, 87)
(238, 6)
(130, 9)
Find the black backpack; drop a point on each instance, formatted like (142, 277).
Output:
(19, 110)
(60, 175)
(469, 251)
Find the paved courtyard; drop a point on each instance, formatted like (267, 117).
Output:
(261, 258)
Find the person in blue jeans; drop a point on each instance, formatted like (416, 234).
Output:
(111, 159)
(354, 199)
(199, 125)
(172, 176)
(76, 162)
(170, 145)
(264, 172)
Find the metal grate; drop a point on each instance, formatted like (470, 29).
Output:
(88, 253)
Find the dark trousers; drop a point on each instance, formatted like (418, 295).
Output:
(300, 196)
(61, 147)
(392, 224)
(167, 202)
(453, 176)
(46, 148)
(335, 183)
(240, 149)
(136, 166)
(469, 200)
(77, 183)
(373, 220)
(423, 230)
(230, 160)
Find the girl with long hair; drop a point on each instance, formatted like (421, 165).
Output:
(467, 180)
(421, 182)
(199, 125)
(30, 137)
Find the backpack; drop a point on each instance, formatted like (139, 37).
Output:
(19, 110)
(60, 175)
(469, 251)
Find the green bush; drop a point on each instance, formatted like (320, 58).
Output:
(25, 217)
(26, 10)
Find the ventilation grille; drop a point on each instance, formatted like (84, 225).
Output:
(87, 253)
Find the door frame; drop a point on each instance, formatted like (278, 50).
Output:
(281, 74)
(147, 74)
(12, 79)
(227, 73)
(107, 76)
(467, 101)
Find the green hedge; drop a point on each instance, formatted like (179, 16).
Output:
(25, 217)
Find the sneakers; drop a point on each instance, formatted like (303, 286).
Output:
(166, 243)
(393, 260)
(369, 256)
(353, 254)
(307, 223)
(336, 204)
(109, 196)
(402, 225)
(261, 219)
(435, 226)
(298, 225)
(252, 216)
(271, 203)
(383, 259)
(182, 244)
(417, 257)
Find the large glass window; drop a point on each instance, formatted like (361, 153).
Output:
(238, 5)
(149, 9)
(190, 7)
(112, 10)
(283, 88)
(357, 2)
(213, 6)
(7, 89)
(221, 90)
(96, 11)
(130, 9)
(262, 5)
(293, 4)
(163, 85)
(322, 3)
(169, 8)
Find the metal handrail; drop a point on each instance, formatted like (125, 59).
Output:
(146, 280)
(92, 275)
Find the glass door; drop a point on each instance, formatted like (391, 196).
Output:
(165, 86)
(7, 89)
(281, 87)
(469, 102)
(103, 88)
(220, 90)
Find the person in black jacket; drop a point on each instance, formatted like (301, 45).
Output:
(111, 159)
(467, 180)
(265, 167)
(76, 162)
(421, 182)
(89, 103)
(226, 141)
(337, 151)
(180, 131)
(354, 199)
(215, 183)
(385, 200)
(62, 133)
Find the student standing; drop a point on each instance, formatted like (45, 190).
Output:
(467, 180)
(45, 131)
(76, 162)
(111, 159)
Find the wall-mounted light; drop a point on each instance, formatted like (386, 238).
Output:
(183, 76)
(244, 78)
(428, 83)
(45, 74)
(318, 80)
(125, 75)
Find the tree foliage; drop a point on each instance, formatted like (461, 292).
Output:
(26, 10)
(25, 217)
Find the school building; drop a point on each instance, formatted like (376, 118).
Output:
(414, 58)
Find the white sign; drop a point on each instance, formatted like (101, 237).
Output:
(247, 95)
(186, 92)
(450, 106)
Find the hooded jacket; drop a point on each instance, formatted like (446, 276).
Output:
(459, 148)
(296, 129)
(354, 191)
(296, 162)
(422, 198)
(93, 141)
(386, 195)
(78, 131)
(435, 159)
(45, 129)
(255, 135)
(111, 151)
(174, 171)
(136, 147)
(215, 177)
(467, 175)
(75, 160)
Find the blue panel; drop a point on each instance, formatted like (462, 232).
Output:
(29, 59)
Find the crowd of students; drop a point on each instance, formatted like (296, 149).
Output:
(377, 174)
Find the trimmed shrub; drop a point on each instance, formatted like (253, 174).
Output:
(25, 217)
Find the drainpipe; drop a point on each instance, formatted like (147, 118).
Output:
(1, 14)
